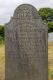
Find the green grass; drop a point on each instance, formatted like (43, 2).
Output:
(50, 61)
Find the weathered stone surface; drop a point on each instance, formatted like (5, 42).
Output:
(26, 45)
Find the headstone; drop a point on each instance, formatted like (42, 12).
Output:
(26, 45)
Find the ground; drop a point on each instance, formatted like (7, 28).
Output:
(50, 61)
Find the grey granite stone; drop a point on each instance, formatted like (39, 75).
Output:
(26, 38)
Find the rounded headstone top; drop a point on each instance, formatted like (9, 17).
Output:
(26, 10)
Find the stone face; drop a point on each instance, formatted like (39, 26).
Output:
(26, 45)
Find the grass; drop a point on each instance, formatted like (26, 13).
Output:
(50, 61)
(2, 62)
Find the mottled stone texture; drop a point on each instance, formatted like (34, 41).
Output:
(26, 45)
